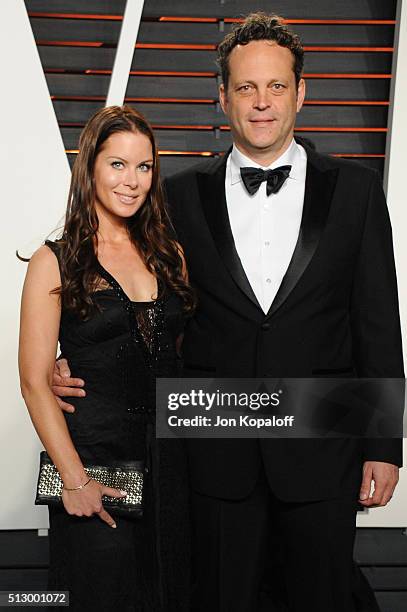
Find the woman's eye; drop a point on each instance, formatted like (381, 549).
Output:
(117, 164)
(145, 167)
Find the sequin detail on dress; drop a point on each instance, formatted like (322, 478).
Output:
(146, 320)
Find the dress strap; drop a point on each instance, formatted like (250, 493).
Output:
(119, 289)
(54, 246)
(114, 284)
(146, 325)
(56, 249)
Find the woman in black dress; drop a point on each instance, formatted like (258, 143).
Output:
(114, 292)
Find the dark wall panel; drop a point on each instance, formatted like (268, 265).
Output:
(386, 578)
(103, 7)
(77, 30)
(321, 61)
(377, 546)
(210, 33)
(316, 9)
(76, 58)
(210, 115)
(392, 602)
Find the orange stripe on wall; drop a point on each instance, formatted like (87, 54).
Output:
(176, 46)
(327, 21)
(289, 21)
(325, 48)
(350, 49)
(340, 129)
(171, 73)
(36, 14)
(226, 128)
(183, 153)
(214, 153)
(68, 43)
(377, 155)
(347, 75)
(210, 101)
(347, 102)
(192, 47)
(132, 99)
(158, 73)
(98, 16)
(80, 98)
(175, 73)
(190, 19)
(172, 100)
(310, 128)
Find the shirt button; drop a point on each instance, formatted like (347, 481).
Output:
(265, 326)
(268, 280)
(266, 206)
(267, 243)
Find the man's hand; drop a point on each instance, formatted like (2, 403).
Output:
(65, 386)
(385, 477)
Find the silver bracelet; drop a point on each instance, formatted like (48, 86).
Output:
(77, 488)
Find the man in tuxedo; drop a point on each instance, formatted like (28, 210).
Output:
(291, 256)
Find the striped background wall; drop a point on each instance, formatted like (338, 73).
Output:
(174, 78)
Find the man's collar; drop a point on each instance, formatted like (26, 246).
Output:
(292, 156)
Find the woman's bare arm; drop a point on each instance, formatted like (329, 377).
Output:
(39, 327)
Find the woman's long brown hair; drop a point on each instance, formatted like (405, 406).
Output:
(150, 228)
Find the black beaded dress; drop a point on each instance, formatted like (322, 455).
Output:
(142, 565)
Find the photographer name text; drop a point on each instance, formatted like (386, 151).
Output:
(242, 421)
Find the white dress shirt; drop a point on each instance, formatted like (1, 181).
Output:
(265, 228)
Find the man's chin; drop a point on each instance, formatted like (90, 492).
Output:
(265, 145)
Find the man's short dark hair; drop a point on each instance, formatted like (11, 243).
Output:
(260, 26)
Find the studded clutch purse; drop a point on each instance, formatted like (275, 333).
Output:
(128, 477)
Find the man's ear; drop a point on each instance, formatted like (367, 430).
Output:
(223, 98)
(300, 94)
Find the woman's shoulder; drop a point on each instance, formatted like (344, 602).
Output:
(53, 245)
(45, 254)
(44, 262)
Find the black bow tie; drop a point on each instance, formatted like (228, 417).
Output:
(253, 177)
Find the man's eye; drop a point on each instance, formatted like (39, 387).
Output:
(244, 88)
(117, 164)
(278, 86)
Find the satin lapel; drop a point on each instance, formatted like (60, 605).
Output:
(319, 187)
(213, 200)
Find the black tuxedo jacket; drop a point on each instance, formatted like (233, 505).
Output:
(336, 312)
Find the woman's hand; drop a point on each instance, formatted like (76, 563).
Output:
(88, 501)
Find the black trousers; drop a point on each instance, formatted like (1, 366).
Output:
(261, 554)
